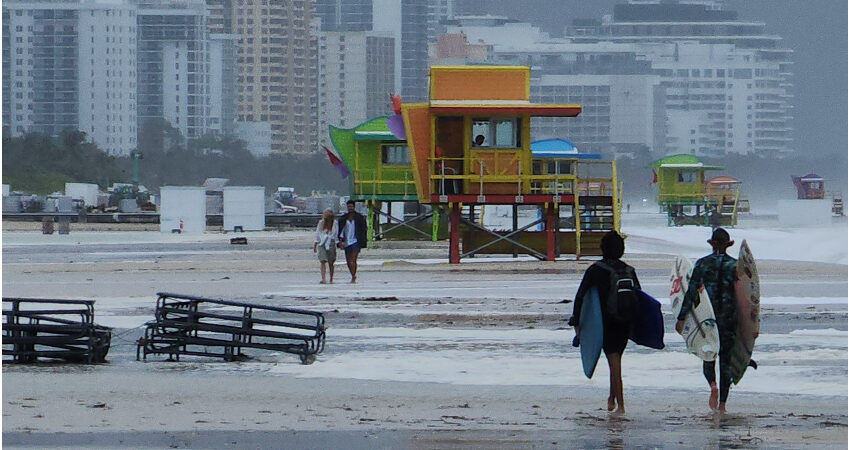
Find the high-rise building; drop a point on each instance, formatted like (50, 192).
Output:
(355, 78)
(71, 65)
(344, 15)
(621, 98)
(222, 50)
(414, 50)
(276, 68)
(173, 64)
(412, 23)
(621, 114)
(724, 83)
(728, 79)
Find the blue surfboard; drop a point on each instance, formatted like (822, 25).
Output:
(648, 329)
(590, 336)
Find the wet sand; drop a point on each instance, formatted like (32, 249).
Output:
(198, 410)
(274, 402)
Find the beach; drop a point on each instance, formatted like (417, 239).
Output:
(420, 353)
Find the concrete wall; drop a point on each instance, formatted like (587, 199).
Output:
(244, 206)
(799, 213)
(186, 203)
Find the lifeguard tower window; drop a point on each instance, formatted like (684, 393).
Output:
(395, 155)
(561, 167)
(496, 132)
(687, 176)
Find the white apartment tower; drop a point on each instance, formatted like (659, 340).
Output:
(727, 80)
(173, 64)
(356, 78)
(71, 65)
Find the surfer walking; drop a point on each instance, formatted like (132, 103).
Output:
(615, 334)
(717, 273)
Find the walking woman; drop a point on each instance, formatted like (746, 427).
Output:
(325, 244)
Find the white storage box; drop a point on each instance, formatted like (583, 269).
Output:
(184, 205)
(85, 191)
(244, 207)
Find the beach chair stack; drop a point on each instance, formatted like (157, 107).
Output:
(197, 326)
(56, 329)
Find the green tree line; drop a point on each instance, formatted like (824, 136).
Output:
(42, 164)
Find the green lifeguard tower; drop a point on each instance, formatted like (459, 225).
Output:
(380, 176)
(686, 197)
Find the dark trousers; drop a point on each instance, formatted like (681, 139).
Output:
(727, 341)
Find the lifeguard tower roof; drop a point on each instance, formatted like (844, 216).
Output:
(682, 162)
(723, 179)
(559, 148)
(811, 177)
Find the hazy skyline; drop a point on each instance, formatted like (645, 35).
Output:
(816, 31)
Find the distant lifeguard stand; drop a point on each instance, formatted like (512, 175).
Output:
(688, 199)
(728, 189)
(381, 176)
(813, 187)
(470, 144)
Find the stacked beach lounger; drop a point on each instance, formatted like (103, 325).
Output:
(197, 326)
(51, 328)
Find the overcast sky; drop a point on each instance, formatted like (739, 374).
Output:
(816, 30)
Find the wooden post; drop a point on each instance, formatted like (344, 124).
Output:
(550, 232)
(435, 222)
(616, 197)
(470, 231)
(370, 224)
(557, 230)
(514, 210)
(454, 233)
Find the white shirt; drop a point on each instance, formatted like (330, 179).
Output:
(324, 238)
(349, 234)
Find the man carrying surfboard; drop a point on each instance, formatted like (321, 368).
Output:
(717, 273)
(615, 331)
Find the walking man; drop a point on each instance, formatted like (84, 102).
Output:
(717, 273)
(352, 237)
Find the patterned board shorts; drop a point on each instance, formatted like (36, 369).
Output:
(327, 255)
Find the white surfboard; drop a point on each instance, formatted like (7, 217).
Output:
(700, 330)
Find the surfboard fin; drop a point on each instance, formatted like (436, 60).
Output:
(753, 364)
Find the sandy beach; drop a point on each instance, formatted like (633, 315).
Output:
(420, 354)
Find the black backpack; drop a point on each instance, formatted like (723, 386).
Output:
(622, 302)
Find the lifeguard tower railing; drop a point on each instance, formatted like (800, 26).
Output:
(593, 201)
(369, 184)
(726, 204)
(550, 177)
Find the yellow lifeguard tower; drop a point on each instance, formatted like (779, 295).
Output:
(470, 144)
(689, 199)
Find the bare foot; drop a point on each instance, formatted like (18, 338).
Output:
(323, 282)
(712, 398)
(722, 408)
(353, 280)
(611, 404)
(620, 410)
